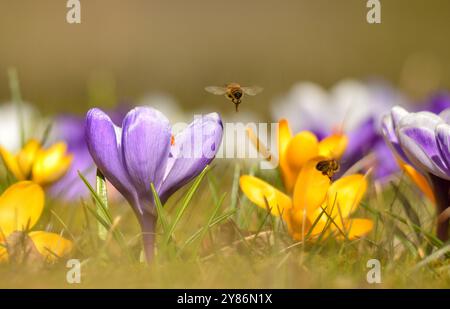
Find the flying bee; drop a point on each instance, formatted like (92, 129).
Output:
(328, 167)
(234, 92)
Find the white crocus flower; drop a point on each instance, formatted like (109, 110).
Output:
(349, 103)
(10, 127)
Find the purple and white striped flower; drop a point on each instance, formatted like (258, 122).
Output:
(422, 139)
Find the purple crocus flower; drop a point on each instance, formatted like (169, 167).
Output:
(143, 151)
(422, 139)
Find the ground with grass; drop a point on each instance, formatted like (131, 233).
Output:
(211, 236)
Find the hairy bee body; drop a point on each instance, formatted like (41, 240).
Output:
(328, 167)
(234, 92)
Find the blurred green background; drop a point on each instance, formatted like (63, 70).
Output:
(127, 49)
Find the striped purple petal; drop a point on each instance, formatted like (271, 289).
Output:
(417, 136)
(146, 145)
(103, 139)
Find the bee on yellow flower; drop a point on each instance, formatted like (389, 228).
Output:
(21, 206)
(33, 162)
(312, 199)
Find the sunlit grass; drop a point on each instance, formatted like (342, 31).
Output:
(211, 236)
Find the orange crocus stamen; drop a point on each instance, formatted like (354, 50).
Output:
(172, 140)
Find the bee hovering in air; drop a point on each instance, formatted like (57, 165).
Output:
(328, 167)
(234, 92)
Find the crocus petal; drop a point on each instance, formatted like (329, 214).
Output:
(385, 161)
(21, 205)
(390, 136)
(51, 164)
(353, 228)
(302, 148)
(445, 115)
(345, 194)
(193, 149)
(51, 245)
(351, 102)
(104, 142)
(284, 137)
(303, 107)
(361, 140)
(333, 146)
(416, 133)
(264, 195)
(310, 189)
(299, 224)
(420, 180)
(146, 144)
(27, 155)
(11, 164)
(443, 140)
(397, 114)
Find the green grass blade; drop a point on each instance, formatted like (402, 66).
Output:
(210, 220)
(64, 225)
(235, 187)
(197, 234)
(409, 210)
(213, 187)
(46, 134)
(159, 209)
(97, 198)
(88, 227)
(106, 220)
(316, 221)
(102, 208)
(430, 237)
(118, 237)
(186, 201)
(444, 251)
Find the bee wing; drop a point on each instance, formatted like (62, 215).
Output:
(252, 90)
(216, 90)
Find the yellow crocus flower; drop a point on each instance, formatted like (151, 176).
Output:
(311, 196)
(315, 201)
(295, 150)
(43, 166)
(21, 206)
(419, 179)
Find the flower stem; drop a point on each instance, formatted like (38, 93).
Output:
(148, 225)
(441, 188)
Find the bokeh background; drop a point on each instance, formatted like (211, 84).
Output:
(124, 50)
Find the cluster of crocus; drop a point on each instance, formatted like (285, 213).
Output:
(421, 142)
(144, 151)
(352, 106)
(311, 199)
(21, 206)
(33, 162)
